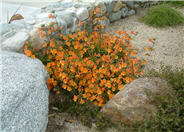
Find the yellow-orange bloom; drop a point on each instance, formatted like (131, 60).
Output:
(33, 56)
(50, 15)
(28, 52)
(82, 101)
(41, 34)
(75, 98)
(147, 48)
(52, 44)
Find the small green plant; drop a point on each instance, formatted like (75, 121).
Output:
(170, 116)
(162, 16)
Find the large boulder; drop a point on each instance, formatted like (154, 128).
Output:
(135, 101)
(16, 42)
(37, 42)
(4, 27)
(24, 94)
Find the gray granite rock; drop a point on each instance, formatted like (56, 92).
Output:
(124, 12)
(66, 16)
(42, 17)
(16, 42)
(134, 102)
(71, 10)
(65, 4)
(31, 21)
(82, 4)
(115, 16)
(74, 25)
(37, 42)
(131, 12)
(9, 34)
(4, 27)
(24, 94)
(129, 3)
(82, 14)
(20, 24)
(110, 4)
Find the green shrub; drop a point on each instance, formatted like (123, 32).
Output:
(162, 16)
(177, 3)
(170, 117)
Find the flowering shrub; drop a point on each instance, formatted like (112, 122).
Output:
(91, 66)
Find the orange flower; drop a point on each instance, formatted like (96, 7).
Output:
(39, 29)
(147, 48)
(61, 35)
(75, 98)
(120, 87)
(26, 47)
(124, 64)
(68, 43)
(27, 42)
(51, 15)
(49, 31)
(111, 95)
(150, 40)
(133, 53)
(72, 69)
(92, 46)
(52, 44)
(49, 86)
(69, 89)
(132, 32)
(45, 45)
(41, 34)
(91, 15)
(144, 62)
(65, 38)
(33, 56)
(82, 101)
(28, 52)
(97, 10)
(80, 23)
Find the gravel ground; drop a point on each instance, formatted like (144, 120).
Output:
(169, 44)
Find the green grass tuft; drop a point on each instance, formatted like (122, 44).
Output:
(177, 3)
(162, 16)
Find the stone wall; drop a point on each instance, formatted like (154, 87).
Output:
(68, 14)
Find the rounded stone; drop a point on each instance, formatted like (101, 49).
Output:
(124, 12)
(115, 16)
(82, 14)
(24, 94)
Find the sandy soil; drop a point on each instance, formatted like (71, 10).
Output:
(169, 44)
